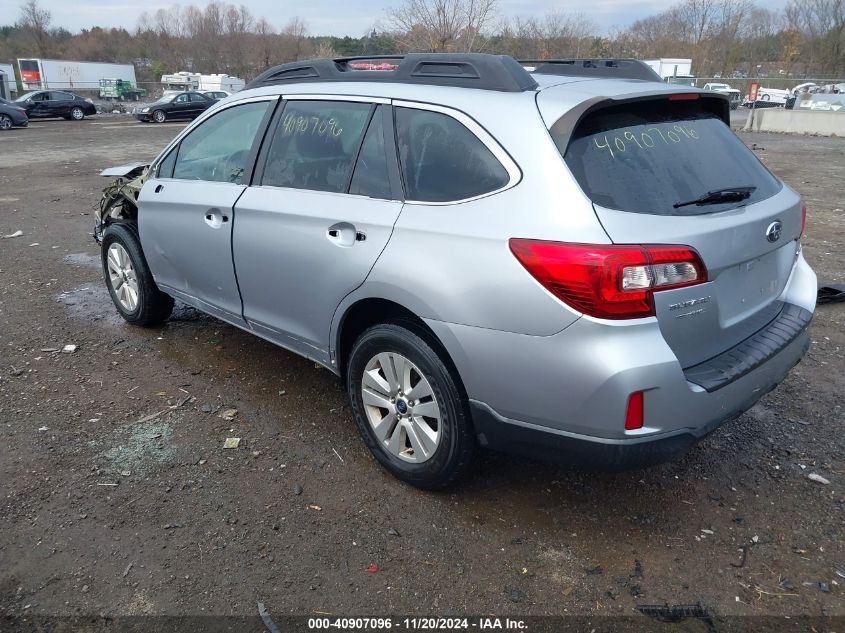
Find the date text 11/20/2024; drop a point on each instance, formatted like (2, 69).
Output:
(417, 624)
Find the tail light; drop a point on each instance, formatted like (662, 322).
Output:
(609, 281)
(803, 221)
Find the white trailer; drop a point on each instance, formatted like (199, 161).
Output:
(221, 82)
(183, 81)
(668, 67)
(44, 74)
(8, 86)
(180, 82)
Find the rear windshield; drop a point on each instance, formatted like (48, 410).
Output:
(646, 157)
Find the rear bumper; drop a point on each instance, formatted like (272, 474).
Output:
(595, 453)
(564, 397)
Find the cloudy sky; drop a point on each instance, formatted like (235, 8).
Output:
(343, 17)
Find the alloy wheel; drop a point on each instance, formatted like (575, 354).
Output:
(5, 122)
(401, 407)
(122, 277)
(77, 114)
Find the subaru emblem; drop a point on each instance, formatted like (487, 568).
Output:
(773, 231)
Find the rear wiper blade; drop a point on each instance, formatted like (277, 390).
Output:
(728, 194)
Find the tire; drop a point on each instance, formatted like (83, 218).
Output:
(77, 113)
(451, 453)
(5, 122)
(159, 116)
(125, 268)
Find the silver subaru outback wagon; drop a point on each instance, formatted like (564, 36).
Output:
(567, 259)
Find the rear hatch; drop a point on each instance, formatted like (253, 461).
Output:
(644, 163)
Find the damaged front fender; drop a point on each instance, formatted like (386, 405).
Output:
(119, 202)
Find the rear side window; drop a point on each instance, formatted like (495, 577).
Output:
(315, 145)
(648, 156)
(218, 149)
(442, 160)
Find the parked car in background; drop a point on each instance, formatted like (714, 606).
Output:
(185, 105)
(12, 115)
(46, 104)
(650, 287)
(808, 87)
(217, 94)
(773, 95)
(725, 89)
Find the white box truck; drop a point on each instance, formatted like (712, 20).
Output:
(668, 67)
(43, 74)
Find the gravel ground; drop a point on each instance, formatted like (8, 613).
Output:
(118, 498)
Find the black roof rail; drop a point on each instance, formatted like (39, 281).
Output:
(464, 70)
(610, 68)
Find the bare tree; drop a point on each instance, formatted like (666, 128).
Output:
(441, 26)
(293, 40)
(555, 35)
(265, 44)
(822, 24)
(35, 22)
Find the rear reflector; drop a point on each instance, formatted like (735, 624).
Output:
(609, 281)
(685, 96)
(634, 414)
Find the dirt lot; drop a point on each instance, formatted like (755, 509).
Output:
(117, 497)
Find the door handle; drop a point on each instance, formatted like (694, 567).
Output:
(215, 219)
(159, 188)
(343, 234)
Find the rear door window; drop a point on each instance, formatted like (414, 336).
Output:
(442, 160)
(647, 157)
(315, 145)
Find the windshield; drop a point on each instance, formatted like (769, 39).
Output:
(23, 97)
(647, 157)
